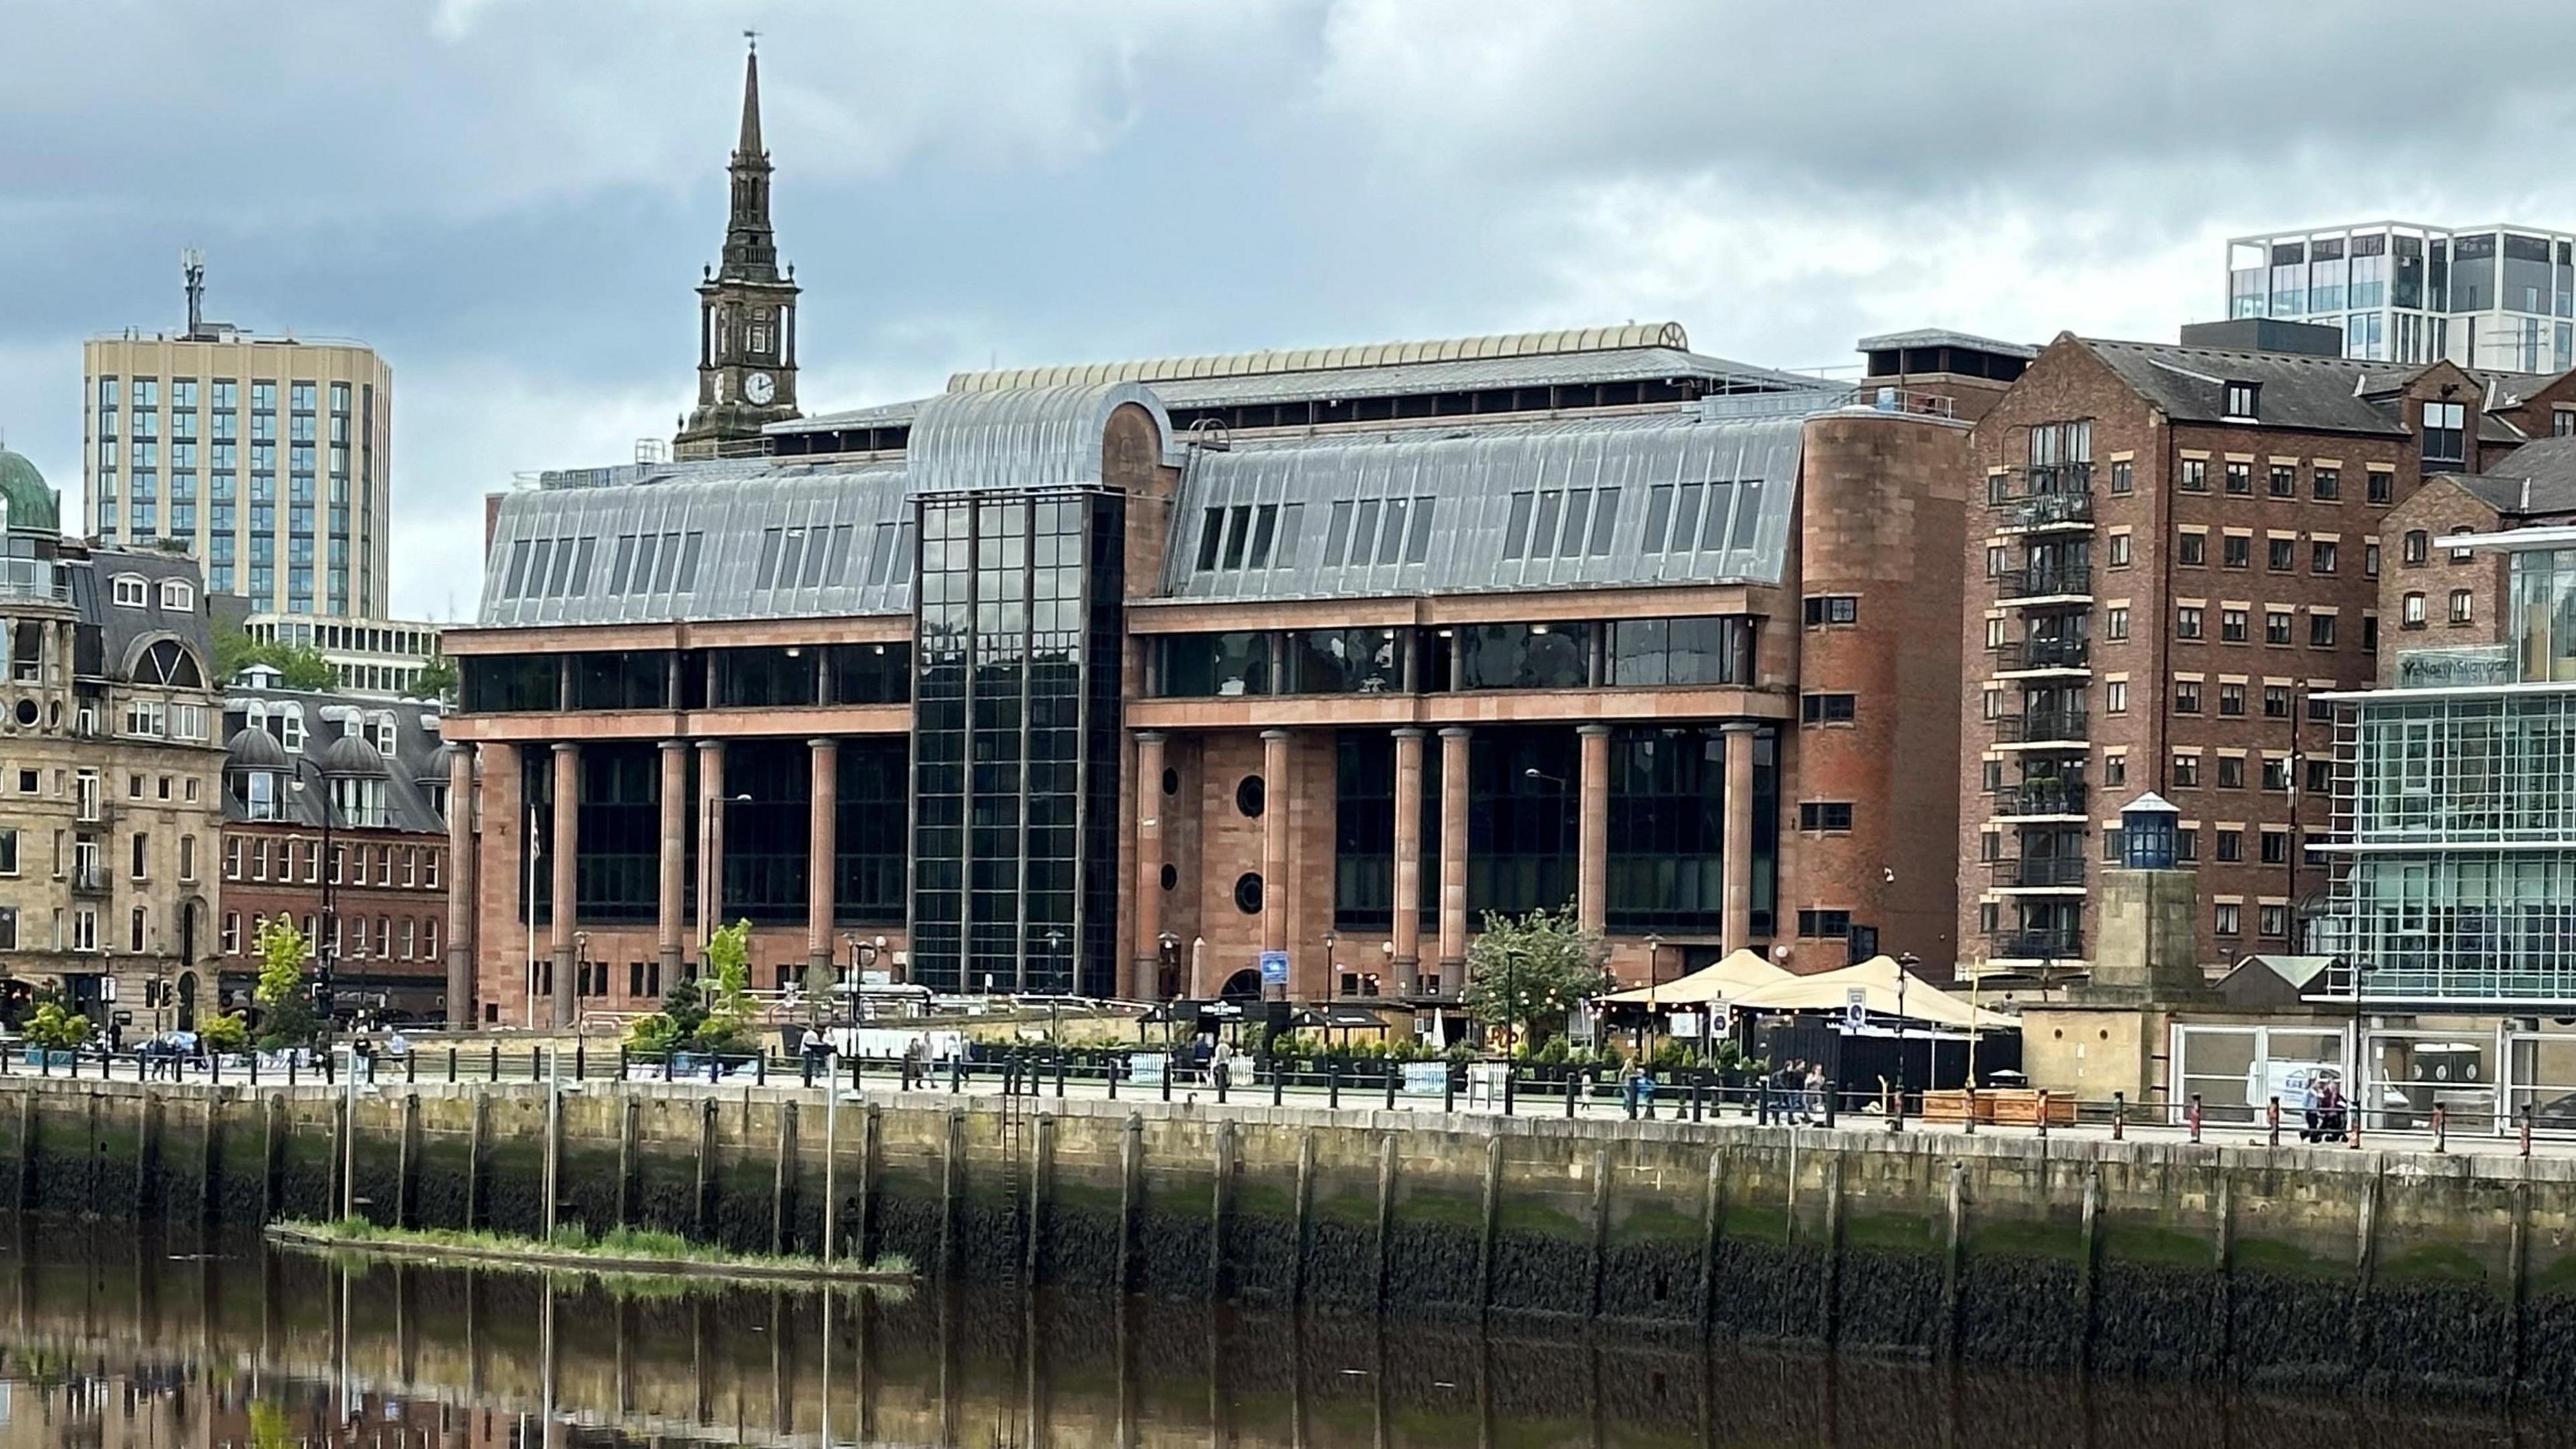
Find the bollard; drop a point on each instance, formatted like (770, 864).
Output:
(2119, 1115)
(1278, 1080)
(451, 1066)
(1699, 1082)
(580, 1059)
(1333, 1080)
(291, 1065)
(1112, 1065)
(1573, 1082)
(1222, 1083)
(1448, 1089)
(1059, 1073)
(1390, 1086)
(494, 1066)
(621, 1061)
(1511, 1084)
(2192, 1118)
(254, 1066)
(2525, 1115)
(214, 1067)
(536, 1064)
(44, 1061)
(957, 1074)
(667, 1068)
(760, 1067)
(2272, 1118)
(1831, 1104)
(1972, 1109)
(1168, 1074)
(2441, 1124)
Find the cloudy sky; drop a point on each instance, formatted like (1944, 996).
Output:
(511, 199)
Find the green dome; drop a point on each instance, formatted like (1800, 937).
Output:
(32, 505)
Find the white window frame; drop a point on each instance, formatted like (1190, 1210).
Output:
(130, 591)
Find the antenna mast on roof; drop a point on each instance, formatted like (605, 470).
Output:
(192, 272)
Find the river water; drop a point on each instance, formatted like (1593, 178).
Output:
(111, 1340)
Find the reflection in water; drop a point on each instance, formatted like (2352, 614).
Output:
(114, 1342)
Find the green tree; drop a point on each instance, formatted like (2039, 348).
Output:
(298, 666)
(1525, 974)
(54, 1028)
(437, 679)
(726, 991)
(287, 1004)
(224, 1032)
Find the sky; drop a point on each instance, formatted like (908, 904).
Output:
(512, 199)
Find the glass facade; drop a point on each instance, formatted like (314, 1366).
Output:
(2482, 298)
(1364, 829)
(1016, 741)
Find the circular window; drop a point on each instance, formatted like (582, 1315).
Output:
(1249, 796)
(26, 711)
(1171, 876)
(1247, 893)
(1171, 781)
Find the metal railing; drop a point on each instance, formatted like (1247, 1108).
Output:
(2043, 724)
(2064, 944)
(2049, 870)
(2042, 797)
(2045, 580)
(2074, 652)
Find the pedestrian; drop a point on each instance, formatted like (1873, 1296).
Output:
(2331, 1118)
(2312, 1109)
(1221, 1065)
(1815, 1085)
(1646, 1090)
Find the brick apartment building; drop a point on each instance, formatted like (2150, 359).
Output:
(2186, 547)
(376, 906)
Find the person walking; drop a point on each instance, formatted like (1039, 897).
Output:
(1815, 1085)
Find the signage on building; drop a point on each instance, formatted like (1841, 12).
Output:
(1274, 968)
(1855, 1008)
(2456, 667)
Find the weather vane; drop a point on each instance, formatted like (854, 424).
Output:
(753, 37)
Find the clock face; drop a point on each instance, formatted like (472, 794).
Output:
(760, 387)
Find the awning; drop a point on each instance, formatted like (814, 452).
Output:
(1876, 979)
(1726, 981)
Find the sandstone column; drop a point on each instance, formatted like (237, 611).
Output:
(1407, 932)
(566, 847)
(1592, 838)
(1276, 889)
(822, 862)
(1453, 860)
(711, 823)
(1146, 953)
(1738, 738)
(463, 870)
(671, 899)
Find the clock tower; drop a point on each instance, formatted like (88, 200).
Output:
(746, 312)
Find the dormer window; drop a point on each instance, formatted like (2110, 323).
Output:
(2244, 399)
(177, 596)
(130, 591)
(380, 731)
(2446, 427)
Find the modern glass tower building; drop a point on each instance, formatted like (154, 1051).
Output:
(2496, 297)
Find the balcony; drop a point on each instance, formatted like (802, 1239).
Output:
(2033, 798)
(2043, 726)
(34, 580)
(2047, 872)
(2046, 581)
(2045, 481)
(89, 879)
(2024, 655)
(2065, 943)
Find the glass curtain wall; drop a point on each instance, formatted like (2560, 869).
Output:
(1667, 830)
(766, 836)
(617, 871)
(870, 834)
(1364, 830)
(1016, 727)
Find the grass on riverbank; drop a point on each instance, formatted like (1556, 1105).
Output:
(615, 1248)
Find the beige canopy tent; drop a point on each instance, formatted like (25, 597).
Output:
(1877, 980)
(1728, 981)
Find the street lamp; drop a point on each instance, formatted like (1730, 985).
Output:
(580, 976)
(1332, 966)
(1905, 965)
(710, 877)
(1654, 963)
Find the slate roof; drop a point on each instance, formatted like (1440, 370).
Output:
(122, 629)
(2315, 394)
(414, 764)
(2537, 478)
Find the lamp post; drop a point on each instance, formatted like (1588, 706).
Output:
(581, 974)
(710, 874)
(1055, 939)
(1332, 966)
(1654, 971)
(1905, 965)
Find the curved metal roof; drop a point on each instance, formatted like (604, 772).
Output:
(1319, 359)
(1020, 438)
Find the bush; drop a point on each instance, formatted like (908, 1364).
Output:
(224, 1033)
(55, 1029)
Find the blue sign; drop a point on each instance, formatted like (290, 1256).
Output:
(1274, 968)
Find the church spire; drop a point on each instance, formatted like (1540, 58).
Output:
(750, 247)
(750, 145)
(746, 308)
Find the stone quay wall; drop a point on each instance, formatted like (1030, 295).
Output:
(2401, 1271)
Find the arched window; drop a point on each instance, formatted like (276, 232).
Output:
(168, 662)
(177, 595)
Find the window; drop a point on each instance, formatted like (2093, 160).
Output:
(2194, 477)
(2370, 559)
(2188, 622)
(2276, 777)
(1824, 925)
(8, 850)
(2192, 548)
(2230, 919)
(1824, 815)
(2231, 772)
(187, 857)
(2280, 555)
(2243, 398)
(176, 595)
(129, 591)
(1998, 561)
(2463, 606)
(1994, 633)
(2115, 697)
(2115, 622)
(2320, 776)
(232, 857)
(429, 949)
(2231, 846)
(2119, 550)
(2186, 772)
(2276, 626)
(1825, 709)
(2186, 696)
(2321, 557)
(2273, 921)
(2231, 626)
(2410, 613)
(2321, 631)
(2240, 479)
(2462, 555)
(138, 931)
(2236, 551)
(2231, 699)
(2326, 484)
(2369, 632)
(2276, 701)
(2283, 481)
(1824, 609)
(2416, 548)
(2115, 769)
(2186, 844)
(2445, 432)
(142, 855)
(2382, 487)
(2562, 422)
(2124, 477)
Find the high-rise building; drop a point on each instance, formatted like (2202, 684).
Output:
(746, 312)
(2501, 298)
(270, 459)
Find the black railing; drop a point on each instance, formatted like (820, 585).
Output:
(2045, 580)
(2042, 797)
(2060, 653)
(2042, 724)
(2042, 510)
(2065, 943)
(2046, 870)
(2043, 481)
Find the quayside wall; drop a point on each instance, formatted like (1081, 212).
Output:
(2399, 1271)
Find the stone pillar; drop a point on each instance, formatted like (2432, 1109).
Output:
(1145, 955)
(711, 823)
(1738, 738)
(464, 869)
(672, 897)
(1407, 932)
(822, 867)
(1592, 837)
(1276, 889)
(567, 843)
(1453, 859)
